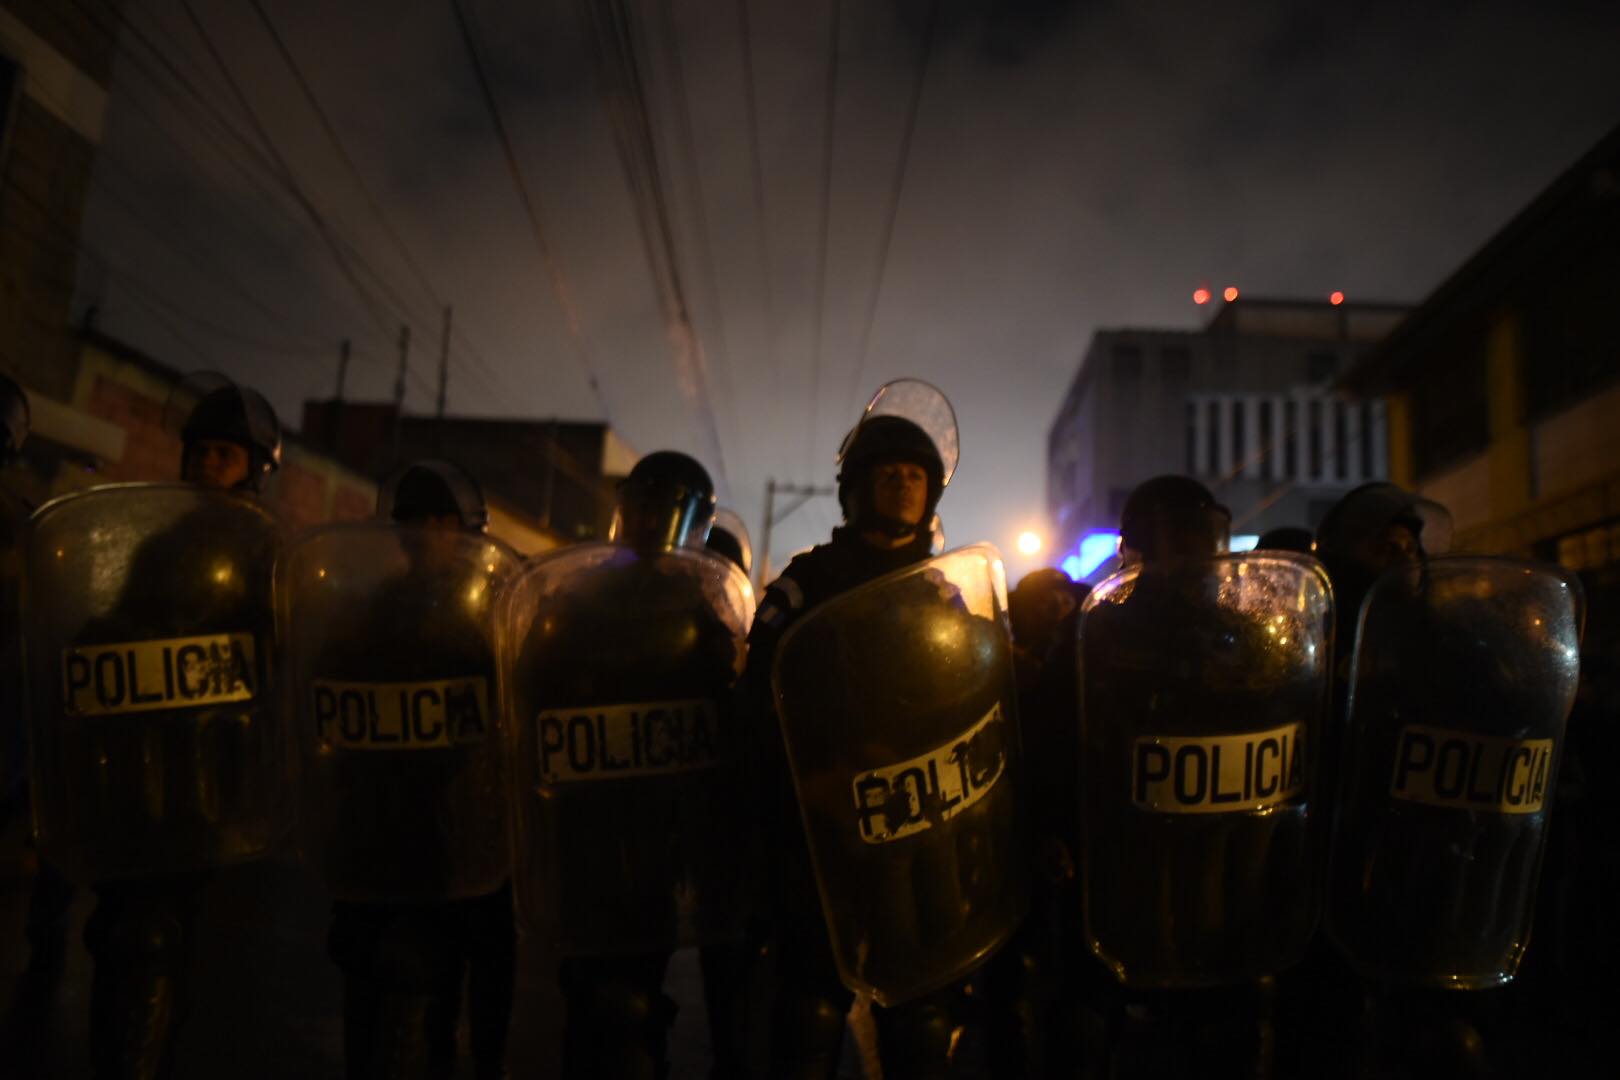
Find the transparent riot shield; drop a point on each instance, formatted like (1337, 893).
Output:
(1465, 671)
(897, 708)
(394, 703)
(151, 655)
(1204, 690)
(633, 830)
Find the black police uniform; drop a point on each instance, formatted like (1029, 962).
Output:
(404, 962)
(808, 1020)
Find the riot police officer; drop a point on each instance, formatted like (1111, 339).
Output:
(633, 836)
(891, 476)
(52, 895)
(728, 537)
(387, 826)
(141, 935)
(1204, 681)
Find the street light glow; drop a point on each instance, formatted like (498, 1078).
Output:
(1028, 543)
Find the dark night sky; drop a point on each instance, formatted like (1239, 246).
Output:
(1074, 165)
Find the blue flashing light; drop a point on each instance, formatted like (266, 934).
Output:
(1071, 566)
(1096, 548)
(1244, 542)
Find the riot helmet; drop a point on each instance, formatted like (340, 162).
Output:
(728, 538)
(1287, 538)
(666, 502)
(1380, 525)
(907, 421)
(1174, 517)
(218, 412)
(430, 489)
(16, 415)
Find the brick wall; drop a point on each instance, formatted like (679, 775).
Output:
(47, 171)
(353, 504)
(298, 495)
(150, 453)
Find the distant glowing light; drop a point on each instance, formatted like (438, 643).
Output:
(1336, 298)
(1028, 543)
(1243, 542)
(1230, 293)
(1071, 566)
(1200, 296)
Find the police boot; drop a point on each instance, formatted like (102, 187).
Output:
(491, 982)
(25, 1028)
(807, 1035)
(1018, 1003)
(138, 994)
(915, 1040)
(1424, 1036)
(618, 1019)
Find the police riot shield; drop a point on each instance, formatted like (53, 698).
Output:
(395, 706)
(897, 709)
(1465, 671)
(632, 825)
(151, 655)
(1204, 689)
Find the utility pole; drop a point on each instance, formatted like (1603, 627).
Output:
(335, 421)
(802, 493)
(343, 368)
(399, 384)
(444, 361)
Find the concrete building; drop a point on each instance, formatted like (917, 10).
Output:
(1246, 405)
(548, 482)
(56, 64)
(1503, 387)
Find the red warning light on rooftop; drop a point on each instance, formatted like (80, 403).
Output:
(1200, 296)
(1231, 293)
(1336, 298)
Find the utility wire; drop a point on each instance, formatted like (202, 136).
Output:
(490, 377)
(829, 118)
(897, 188)
(711, 285)
(625, 94)
(559, 284)
(757, 177)
(316, 217)
(279, 173)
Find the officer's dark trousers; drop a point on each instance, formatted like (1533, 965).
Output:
(403, 966)
(807, 1023)
(142, 938)
(618, 1017)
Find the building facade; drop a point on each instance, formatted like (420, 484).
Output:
(1247, 405)
(1503, 387)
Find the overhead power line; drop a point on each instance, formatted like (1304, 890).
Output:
(828, 126)
(204, 113)
(489, 376)
(711, 284)
(896, 189)
(624, 91)
(559, 284)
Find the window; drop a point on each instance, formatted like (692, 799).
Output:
(1291, 440)
(1175, 363)
(1265, 439)
(1192, 438)
(1240, 448)
(1314, 432)
(1341, 438)
(1212, 438)
(1321, 367)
